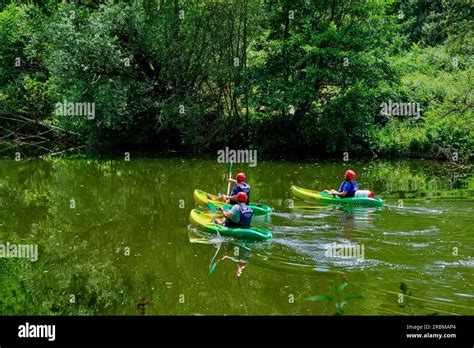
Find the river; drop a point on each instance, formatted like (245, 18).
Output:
(113, 237)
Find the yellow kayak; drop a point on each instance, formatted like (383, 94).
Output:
(203, 221)
(200, 197)
(326, 198)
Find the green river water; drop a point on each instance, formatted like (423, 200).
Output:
(113, 237)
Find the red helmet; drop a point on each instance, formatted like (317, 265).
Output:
(241, 197)
(350, 174)
(241, 177)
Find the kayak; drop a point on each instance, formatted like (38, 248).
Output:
(204, 222)
(330, 199)
(201, 198)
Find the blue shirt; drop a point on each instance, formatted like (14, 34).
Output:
(349, 187)
(241, 187)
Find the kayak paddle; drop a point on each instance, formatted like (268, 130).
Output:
(213, 267)
(214, 207)
(230, 176)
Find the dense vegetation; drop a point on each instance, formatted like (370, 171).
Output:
(281, 76)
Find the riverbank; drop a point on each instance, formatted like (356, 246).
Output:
(26, 152)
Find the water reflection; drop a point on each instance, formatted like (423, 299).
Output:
(358, 218)
(235, 252)
(226, 249)
(125, 239)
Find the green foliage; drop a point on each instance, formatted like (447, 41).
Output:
(308, 75)
(443, 87)
(317, 76)
(431, 23)
(23, 78)
(341, 300)
(13, 292)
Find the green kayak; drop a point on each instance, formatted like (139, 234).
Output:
(330, 199)
(204, 222)
(200, 197)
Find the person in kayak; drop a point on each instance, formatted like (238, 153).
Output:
(241, 185)
(348, 187)
(239, 216)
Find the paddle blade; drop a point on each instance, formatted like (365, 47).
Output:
(212, 268)
(215, 208)
(212, 206)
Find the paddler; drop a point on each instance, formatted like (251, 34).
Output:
(348, 187)
(240, 185)
(239, 216)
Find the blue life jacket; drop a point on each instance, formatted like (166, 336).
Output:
(245, 217)
(353, 188)
(242, 187)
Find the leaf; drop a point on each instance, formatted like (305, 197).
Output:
(338, 288)
(353, 297)
(325, 297)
